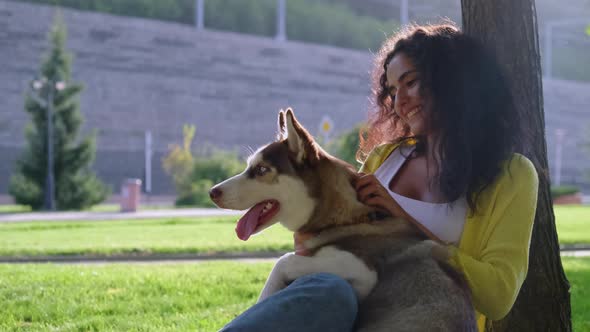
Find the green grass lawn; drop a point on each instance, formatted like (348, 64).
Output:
(15, 208)
(174, 235)
(573, 223)
(578, 274)
(163, 297)
(208, 235)
(118, 297)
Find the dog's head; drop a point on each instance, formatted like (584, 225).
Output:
(291, 181)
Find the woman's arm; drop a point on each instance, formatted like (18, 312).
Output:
(497, 273)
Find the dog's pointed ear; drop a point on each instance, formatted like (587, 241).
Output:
(300, 142)
(282, 134)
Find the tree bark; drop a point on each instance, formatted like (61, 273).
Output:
(509, 29)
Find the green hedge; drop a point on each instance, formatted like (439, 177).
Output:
(343, 23)
(345, 146)
(307, 20)
(181, 11)
(208, 171)
(557, 191)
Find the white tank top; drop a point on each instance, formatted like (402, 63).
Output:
(442, 219)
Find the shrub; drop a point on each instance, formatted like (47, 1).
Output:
(198, 194)
(557, 191)
(193, 176)
(179, 162)
(345, 146)
(307, 20)
(207, 171)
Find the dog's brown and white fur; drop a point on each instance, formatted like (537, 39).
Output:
(399, 284)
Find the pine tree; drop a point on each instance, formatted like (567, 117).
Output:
(76, 186)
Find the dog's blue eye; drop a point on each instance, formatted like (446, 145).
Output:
(261, 170)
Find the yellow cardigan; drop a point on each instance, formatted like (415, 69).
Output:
(493, 251)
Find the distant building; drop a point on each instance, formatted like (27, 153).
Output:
(143, 75)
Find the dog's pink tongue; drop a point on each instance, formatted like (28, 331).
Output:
(247, 224)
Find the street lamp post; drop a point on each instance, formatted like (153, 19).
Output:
(281, 21)
(404, 16)
(200, 14)
(52, 86)
(50, 180)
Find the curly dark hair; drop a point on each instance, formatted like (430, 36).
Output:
(473, 111)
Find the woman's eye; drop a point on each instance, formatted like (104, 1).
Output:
(392, 93)
(412, 82)
(261, 170)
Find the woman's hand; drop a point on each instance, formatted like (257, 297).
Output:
(371, 192)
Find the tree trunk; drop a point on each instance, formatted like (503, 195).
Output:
(509, 28)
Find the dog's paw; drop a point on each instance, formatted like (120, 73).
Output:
(277, 279)
(429, 248)
(292, 266)
(284, 261)
(440, 252)
(286, 256)
(424, 248)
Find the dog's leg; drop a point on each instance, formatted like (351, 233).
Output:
(276, 280)
(330, 260)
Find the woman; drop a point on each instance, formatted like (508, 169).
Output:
(449, 164)
(439, 151)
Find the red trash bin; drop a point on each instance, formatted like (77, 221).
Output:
(130, 195)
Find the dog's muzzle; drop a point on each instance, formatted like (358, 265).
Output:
(215, 194)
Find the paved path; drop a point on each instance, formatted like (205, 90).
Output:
(142, 214)
(181, 258)
(575, 251)
(155, 258)
(93, 216)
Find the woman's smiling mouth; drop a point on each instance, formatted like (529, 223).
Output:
(413, 112)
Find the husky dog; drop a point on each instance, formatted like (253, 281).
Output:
(389, 263)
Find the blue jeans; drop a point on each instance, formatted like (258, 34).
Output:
(316, 302)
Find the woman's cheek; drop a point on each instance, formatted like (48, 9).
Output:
(414, 91)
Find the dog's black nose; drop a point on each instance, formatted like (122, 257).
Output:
(215, 193)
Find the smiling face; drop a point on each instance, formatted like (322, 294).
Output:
(403, 84)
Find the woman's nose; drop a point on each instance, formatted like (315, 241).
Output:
(400, 99)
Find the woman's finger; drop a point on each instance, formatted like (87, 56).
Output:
(387, 203)
(377, 202)
(376, 187)
(365, 191)
(365, 180)
(368, 191)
